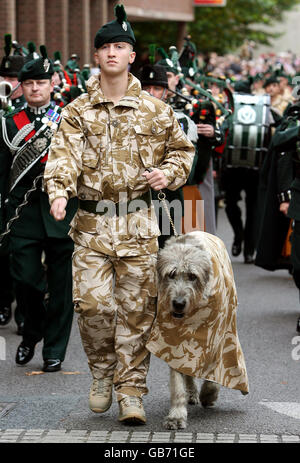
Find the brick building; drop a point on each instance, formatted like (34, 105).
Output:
(70, 25)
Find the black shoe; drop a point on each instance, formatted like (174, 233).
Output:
(20, 329)
(298, 325)
(52, 365)
(5, 315)
(24, 353)
(248, 259)
(236, 248)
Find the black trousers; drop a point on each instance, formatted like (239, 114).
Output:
(52, 320)
(8, 290)
(235, 180)
(295, 254)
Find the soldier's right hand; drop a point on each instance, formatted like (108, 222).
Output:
(58, 208)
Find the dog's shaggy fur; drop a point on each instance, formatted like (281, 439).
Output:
(184, 273)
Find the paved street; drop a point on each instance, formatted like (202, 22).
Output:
(53, 407)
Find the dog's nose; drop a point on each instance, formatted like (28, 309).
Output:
(179, 304)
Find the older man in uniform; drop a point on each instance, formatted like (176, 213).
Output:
(107, 140)
(24, 143)
(282, 200)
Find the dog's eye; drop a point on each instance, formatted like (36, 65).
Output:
(172, 274)
(192, 277)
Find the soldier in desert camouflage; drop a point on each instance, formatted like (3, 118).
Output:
(108, 138)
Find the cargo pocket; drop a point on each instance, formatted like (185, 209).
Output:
(142, 226)
(93, 146)
(151, 138)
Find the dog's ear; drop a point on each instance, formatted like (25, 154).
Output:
(205, 270)
(165, 264)
(200, 264)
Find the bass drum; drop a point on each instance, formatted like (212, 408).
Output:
(249, 136)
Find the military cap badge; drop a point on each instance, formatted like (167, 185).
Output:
(46, 65)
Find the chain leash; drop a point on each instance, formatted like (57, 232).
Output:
(19, 208)
(162, 197)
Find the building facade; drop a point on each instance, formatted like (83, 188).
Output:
(69, 26)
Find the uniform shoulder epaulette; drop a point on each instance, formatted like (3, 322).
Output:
(14, 112)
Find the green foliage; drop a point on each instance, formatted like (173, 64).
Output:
(219, 29)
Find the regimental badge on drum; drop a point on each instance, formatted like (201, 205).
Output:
(40, 144)
(246, 115)
(124, 25)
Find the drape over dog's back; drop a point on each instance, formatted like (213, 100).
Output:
(204, 343)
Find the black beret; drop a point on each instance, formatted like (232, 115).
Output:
(118, 30)
(11, 65)
(153, 74)
(271, 80)
(37, 69)
(242, 86)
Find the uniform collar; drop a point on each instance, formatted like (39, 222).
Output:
(130, 99)
(38, 110)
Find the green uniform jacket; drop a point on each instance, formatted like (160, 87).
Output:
(35, 220)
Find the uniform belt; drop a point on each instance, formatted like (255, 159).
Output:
(96, 207)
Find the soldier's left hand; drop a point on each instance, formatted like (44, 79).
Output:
(284, 207)
(156, 179)
(205, 129)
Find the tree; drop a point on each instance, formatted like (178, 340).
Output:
(221, 29)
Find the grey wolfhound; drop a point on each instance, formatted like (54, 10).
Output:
(184, 276)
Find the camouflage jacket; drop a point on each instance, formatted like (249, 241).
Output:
(100, 151)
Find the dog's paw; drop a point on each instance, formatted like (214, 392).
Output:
(174, 423)
(193, 398)
(209, 394)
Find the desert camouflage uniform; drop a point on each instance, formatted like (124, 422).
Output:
(280, 103)
(100, 152)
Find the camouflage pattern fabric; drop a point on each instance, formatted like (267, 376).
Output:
(205, 344)
(280, 103)
(115, 318)
(100, 152)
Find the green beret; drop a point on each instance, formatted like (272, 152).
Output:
(168, 65)
(153, 74)
(10, 64)
(258, 76)
(271, 80)
(242, 86)
(118, 30)
(71, 65)
(37, 69)
(167, 62)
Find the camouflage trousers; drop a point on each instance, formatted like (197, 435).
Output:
(116, 302)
